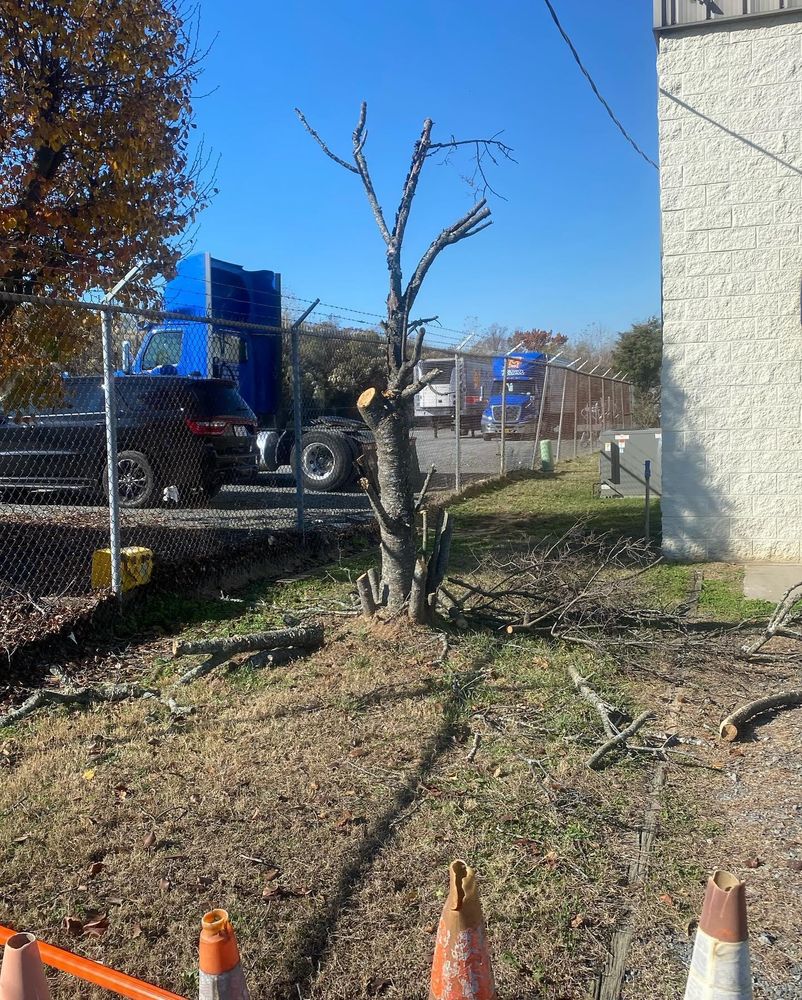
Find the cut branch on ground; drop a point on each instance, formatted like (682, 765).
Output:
(731, 727)
(305, 636)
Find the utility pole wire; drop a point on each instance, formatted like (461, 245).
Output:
(595, 89)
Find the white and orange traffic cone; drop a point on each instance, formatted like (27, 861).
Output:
(221, 976)
(22, 976)
(461, 968)
(720, 968)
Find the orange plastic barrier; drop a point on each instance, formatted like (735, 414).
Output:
(94, 972)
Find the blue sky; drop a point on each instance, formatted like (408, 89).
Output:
(575, 243)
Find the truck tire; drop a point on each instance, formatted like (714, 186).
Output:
(326, 460)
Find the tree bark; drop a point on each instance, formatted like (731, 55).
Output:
(394, 504)
(305, 635)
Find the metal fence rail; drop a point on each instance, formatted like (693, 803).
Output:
(134, 449)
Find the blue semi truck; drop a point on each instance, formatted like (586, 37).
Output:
(228, 293)
(524, 376)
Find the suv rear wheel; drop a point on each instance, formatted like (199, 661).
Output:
(137, 483)
(326, 460)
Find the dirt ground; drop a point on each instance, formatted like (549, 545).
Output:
(322, 801)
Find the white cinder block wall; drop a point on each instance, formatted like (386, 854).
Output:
(730, 114)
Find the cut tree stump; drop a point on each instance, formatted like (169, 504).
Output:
(367, 598)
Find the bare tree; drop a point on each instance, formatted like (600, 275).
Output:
(388, 413)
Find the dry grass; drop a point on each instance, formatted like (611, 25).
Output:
(340, 785)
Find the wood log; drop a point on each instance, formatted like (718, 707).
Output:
(305, 635)
(366, 595)
(729, 728)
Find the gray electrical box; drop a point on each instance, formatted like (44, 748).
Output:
(621, 462)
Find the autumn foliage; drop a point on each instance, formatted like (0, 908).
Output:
(546, 341)
(95, 165)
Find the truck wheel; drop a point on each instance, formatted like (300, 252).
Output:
(326, 460)
(137, 483)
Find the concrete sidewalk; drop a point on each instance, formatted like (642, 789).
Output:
(769, 581)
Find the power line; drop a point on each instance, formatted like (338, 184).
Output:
(595, 89)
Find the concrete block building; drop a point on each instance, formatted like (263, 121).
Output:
(730, 120)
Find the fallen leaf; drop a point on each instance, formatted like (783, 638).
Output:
(89, 774)
(150, 840)
(359, 752)
(552, 859)
(666, 899)
(95, 868)
(580, 920)
(347, 820)
(97, 927)
(136, 930)
(271, 890)
(270, 874)
(73, 926)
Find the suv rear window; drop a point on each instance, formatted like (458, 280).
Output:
(220, 399)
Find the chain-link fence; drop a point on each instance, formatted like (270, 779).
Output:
(175, 435)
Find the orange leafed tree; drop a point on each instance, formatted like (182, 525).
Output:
(546, 341)
(96, 171)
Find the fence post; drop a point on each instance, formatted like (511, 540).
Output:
(503, 458)
(562, 411)
(576, 405)
(110, 405)
(295, 358)
(603, 404)
(457, 424)
(540, 413)
(647, 478)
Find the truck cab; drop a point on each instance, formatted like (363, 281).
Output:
(524, 374)
(225, 293)
(208, 287)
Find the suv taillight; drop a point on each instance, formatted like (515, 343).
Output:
(206, 426)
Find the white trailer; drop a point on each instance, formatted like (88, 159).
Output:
(436, 402)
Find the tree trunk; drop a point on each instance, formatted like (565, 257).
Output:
(393, 496)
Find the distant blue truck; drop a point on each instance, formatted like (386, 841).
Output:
(525, 373)
(210, 288)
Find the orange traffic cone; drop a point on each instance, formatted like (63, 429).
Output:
(22, 976)
(461, 968)
(221, 976)
(720, 967)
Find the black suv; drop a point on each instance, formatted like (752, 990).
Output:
(177, 438)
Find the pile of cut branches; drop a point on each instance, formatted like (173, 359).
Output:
(577, 588)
